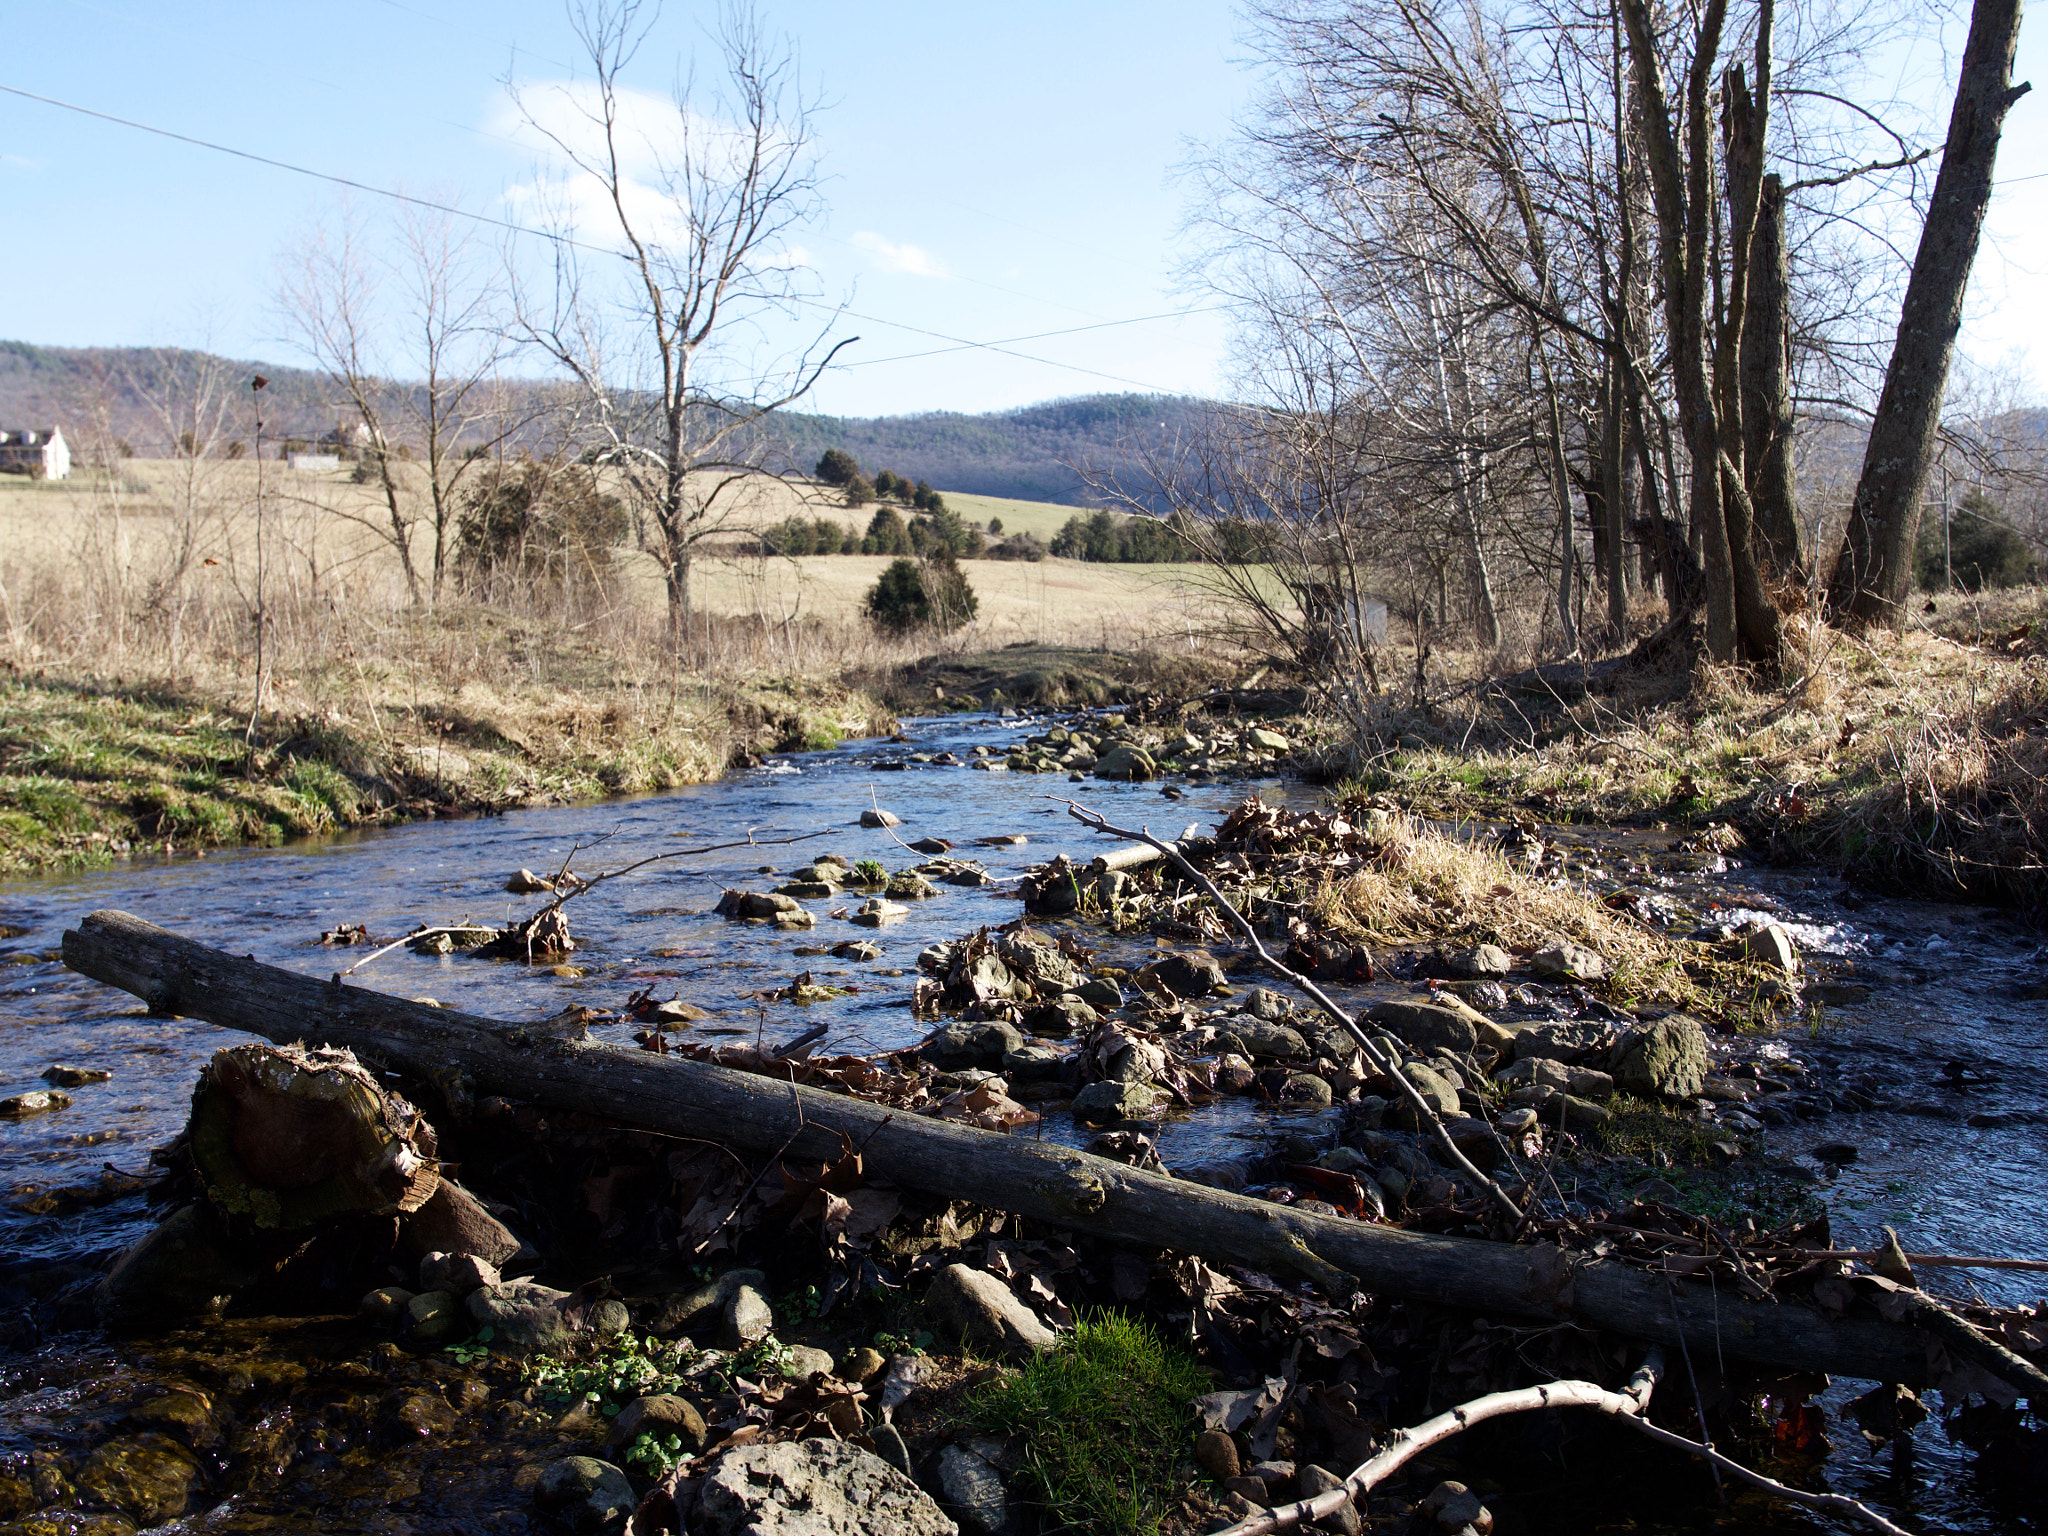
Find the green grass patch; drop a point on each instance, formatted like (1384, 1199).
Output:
(1105, 1424)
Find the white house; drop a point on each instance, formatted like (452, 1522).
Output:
(38, 452)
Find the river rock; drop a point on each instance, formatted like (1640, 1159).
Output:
(1033, 1063)
(1265, 740)
(1040, 963)
(1562, 960)
(1453, 1507)
(746, 1319)
(455, 1221)
(1769, 944)
(184, 1413)
(1126, 762)
(1062, 1016)
(1265, 1003)
(584, 1493)
(971, 1043)
(1426, 1026)
(1480, 996)
(1312, 1480)
(978, 1309)
(1474, 1138)
(386, 1305)
(521, 1315)
(1216, 1453)
(1189, 973)
(1107, 1102)
(875, 911)
(1541, 1070)
(62, 1074)
(972, 1491)
(459, 1273)
(1100, 993)
(703, 1306)
(1437, 1091)
(40, 1101)
(1665, 1059)
(524, 882)
(1304, 1090)
(661, 1415)
(1568, 1043)
(1255, 1037)
(149, 1477)
(432, 1315)
(1586, 1083)
(812, 1488)
(874, 816)
(1483, 962)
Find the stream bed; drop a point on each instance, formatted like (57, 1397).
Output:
(1931, 1048)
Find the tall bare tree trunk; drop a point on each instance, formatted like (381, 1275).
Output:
(1876, 559)
(1767, 418)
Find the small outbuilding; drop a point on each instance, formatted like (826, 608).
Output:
(38, 452)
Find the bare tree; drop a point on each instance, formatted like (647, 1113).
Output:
(1874, 569)
(702, 211)
(419, 372)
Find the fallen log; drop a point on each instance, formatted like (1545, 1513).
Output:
(1138, 855)
(544, 1064)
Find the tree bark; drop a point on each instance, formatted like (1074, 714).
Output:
(1876, 560)
(1035, 1179)
(1766, 375)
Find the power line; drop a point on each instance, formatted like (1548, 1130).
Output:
(955, 343)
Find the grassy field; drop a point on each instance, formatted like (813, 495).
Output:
(128, 661)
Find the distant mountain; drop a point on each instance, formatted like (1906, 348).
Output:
(1023, 453)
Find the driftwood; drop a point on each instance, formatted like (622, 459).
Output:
(1630, 1405)
(1138, 855)
(545, 1063)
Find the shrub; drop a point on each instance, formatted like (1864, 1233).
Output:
(930, 594)
(1983, 549)
(995, 525)
(859, 491)
(542, 526)
(1019, 546)
(887, 534)
(837, 467)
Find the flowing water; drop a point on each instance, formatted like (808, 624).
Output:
(1935, 1078)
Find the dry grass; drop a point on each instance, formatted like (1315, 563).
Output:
(1424, 886)
(1916, 760)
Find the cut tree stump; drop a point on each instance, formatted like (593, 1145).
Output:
(1035, 1179)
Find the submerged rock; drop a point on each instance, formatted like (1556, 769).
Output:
(1105, 1103)
(149, 1477)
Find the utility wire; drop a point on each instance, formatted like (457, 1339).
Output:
(955, 343)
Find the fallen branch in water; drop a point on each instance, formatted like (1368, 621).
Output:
(542, 1064)
(1370, 1048)
(1628, 1405)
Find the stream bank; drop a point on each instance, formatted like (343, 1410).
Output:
(1967, 1169)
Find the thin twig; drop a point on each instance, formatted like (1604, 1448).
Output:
(417, 933)
(1369, 1047)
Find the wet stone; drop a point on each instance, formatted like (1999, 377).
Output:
(1106, 1103)
(63, 1075)
(1257, 1038)
(585, 1493)
(41, 1101)
(149, 1477)
(185, 1413)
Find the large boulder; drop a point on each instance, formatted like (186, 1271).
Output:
(1667, 1059)
(812, 1488)
(979, 1310)
(1426, 1026)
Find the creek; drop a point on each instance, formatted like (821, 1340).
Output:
(1930, 1061)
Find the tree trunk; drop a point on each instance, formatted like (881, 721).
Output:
(1032, 1178)
(1766, 375)
(1876, 559)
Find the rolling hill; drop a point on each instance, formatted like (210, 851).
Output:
(1021, 454)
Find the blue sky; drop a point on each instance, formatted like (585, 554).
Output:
(997, 171)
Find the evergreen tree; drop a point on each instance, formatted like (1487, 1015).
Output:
(837, 467)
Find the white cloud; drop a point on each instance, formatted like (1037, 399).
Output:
(887, 256)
